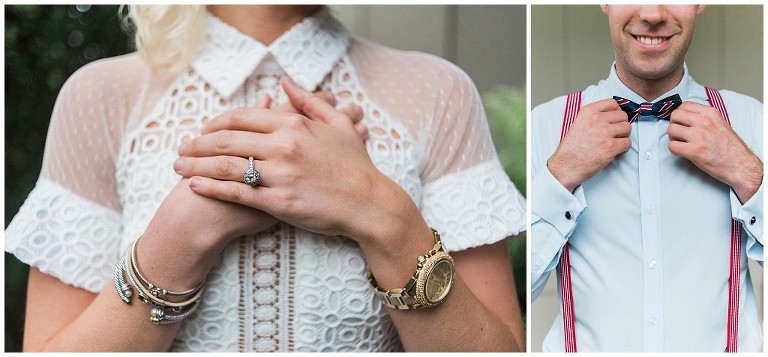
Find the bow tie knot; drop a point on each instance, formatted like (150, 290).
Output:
(661, 109)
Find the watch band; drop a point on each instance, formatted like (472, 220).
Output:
(404, 298)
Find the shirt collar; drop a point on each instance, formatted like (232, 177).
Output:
(617, 87)
(307, 52)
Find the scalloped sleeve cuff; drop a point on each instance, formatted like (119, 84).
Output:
(474, 207)
(65, 236)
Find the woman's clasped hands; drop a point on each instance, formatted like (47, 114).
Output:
(315, 172)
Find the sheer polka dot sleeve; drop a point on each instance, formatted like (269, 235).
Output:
(467, 195)
(69, 225)
(463, 191)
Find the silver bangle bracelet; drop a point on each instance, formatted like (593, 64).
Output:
(131, 279)
(121, 287)
(156, 290)
(160, 315)
(148, 296)
(163, 312)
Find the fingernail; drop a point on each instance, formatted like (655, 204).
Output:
(194, 182)
(182, 148)
(178, 165)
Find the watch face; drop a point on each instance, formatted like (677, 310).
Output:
(439, 281)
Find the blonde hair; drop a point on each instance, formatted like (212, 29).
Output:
(167, 36)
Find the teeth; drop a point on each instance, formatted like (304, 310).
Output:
(650, 40)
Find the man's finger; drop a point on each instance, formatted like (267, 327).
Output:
(684, 117)
(605, 105)
(677, 132)
(693, 107)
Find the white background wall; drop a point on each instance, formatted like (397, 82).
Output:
(571, 49)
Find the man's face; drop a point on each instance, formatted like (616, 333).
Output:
(650, 42)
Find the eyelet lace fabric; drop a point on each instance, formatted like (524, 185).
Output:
(284, 289)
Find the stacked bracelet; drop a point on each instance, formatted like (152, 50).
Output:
(163, 311)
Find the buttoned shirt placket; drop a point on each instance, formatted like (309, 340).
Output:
(647, 129)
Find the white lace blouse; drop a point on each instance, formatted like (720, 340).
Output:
(108, 165)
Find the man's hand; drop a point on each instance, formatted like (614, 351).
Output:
(698, 133)
(599, 133)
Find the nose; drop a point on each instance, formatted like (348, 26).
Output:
(653, 14)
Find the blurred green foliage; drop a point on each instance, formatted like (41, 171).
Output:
(505, 107)
(44, 45)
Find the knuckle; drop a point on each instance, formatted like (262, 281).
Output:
(286, 201)
(239, 115)
(676, 148)
(708, 123)
(290, 148)
(225, 167)
(223, 139)
(626, 126)
(595, 118)
(296, 122)
(293, 148)
(627, 144)
(234, 192)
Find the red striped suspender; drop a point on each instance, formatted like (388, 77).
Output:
(572, 106)
(716, 101)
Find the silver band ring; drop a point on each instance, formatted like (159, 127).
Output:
(251, 176)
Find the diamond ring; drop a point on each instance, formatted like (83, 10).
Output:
(251, 176)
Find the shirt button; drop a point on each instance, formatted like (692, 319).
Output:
(568, 215)
(652, 264)
(648, 155)
(752, 220)
(653, 321)
(650, 209)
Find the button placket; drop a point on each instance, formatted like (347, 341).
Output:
(650, 222)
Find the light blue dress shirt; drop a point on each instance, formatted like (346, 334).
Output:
(649, 235)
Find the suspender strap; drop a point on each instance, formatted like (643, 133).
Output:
(572, 106)
(716, 101)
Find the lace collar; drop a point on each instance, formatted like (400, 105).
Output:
(307, 52)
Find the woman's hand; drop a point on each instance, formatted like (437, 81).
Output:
(183, 241)
(301, 102)
(315, 174)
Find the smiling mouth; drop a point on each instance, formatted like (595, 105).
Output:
(647, 40)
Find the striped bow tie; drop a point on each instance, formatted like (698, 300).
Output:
(661, 109)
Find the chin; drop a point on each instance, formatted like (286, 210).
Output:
(651, 70)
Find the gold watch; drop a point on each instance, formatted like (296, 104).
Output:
(429, 284)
